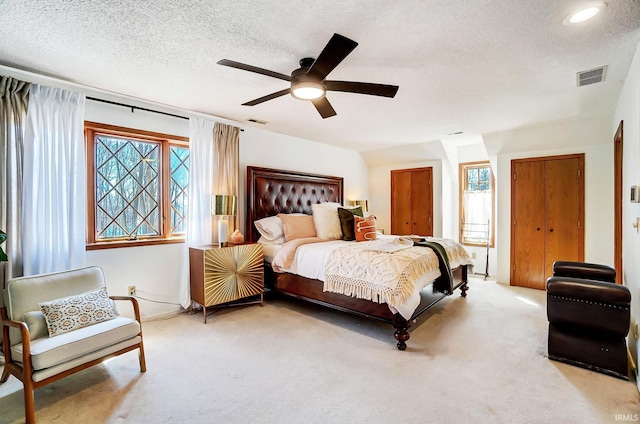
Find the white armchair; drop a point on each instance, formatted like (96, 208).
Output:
(54, 325)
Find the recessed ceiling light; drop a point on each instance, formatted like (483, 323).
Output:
(585, 13)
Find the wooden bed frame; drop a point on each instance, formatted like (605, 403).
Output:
(273, 191)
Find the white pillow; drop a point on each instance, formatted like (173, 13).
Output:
(326, 220)
(270, 228)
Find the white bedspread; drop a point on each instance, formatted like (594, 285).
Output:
(310, 259)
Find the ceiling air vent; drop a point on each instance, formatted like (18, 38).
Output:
(591, 76)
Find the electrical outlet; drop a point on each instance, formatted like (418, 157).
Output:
(132, 290)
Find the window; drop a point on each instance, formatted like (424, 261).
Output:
(476, 204)
(137, 186)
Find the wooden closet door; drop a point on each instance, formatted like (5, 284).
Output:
(527, 224)
(565, 210)
(401, 202)
(412, 201)
(421, 202)
(547, 211)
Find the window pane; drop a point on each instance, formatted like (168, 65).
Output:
(179, 164)
(127, 189)
(477, 205)
(472, 176)
(484, 174)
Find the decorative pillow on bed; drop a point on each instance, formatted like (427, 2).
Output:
(347, 223)
(365, 228)
(270, 227)
(297, 226)
(73, 312)
(325, 218)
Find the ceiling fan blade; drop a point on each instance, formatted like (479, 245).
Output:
(267, 97)
(245, 67)
(333, 53)
(324, 107)
(383, 90)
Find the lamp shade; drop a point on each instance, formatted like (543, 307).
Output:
(223, 205)
(362, 203)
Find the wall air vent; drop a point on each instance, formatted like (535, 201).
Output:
(257, 121)
(591, 76)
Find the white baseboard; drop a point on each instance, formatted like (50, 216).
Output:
(164, 315)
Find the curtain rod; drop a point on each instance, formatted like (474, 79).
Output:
(34, 77)
(135, 107)
(139, 108)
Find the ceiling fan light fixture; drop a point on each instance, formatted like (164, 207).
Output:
(308, 90)
(584, 14)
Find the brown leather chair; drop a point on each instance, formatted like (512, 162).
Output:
(589, 317)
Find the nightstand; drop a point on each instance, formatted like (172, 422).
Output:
(220, 275)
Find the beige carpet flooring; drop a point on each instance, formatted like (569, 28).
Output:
(476, 360)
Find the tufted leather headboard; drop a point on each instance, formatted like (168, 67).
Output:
(274, 191)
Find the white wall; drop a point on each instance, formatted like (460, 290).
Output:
(581, 136)
(156, 270)
(263, 148)
(447, 155)
(598, 204)
(476, 153)
(380, 193)
(628, 110)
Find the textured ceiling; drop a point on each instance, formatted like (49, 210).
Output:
(472, 66)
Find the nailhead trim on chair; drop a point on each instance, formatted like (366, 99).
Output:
(608, 305)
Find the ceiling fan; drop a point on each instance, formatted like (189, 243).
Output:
(308, 82)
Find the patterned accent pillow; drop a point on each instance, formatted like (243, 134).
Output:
(365, 228)
(73, 312)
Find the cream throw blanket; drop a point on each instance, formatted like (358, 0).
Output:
(358, 271)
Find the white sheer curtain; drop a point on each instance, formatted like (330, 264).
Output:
(476, 214)
(201, 179)
(53, 208)
(213, 169)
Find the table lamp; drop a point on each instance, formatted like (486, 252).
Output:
(364, 204)
(222, 206)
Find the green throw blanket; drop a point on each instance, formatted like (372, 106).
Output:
(444, 284)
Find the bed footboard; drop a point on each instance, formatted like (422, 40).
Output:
(312, 291)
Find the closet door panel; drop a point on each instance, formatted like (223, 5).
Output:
(528, 224)
(564, 207)
(400, 202)
(421, 203)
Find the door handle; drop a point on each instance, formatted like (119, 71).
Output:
(551, 230)
(538, 229)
